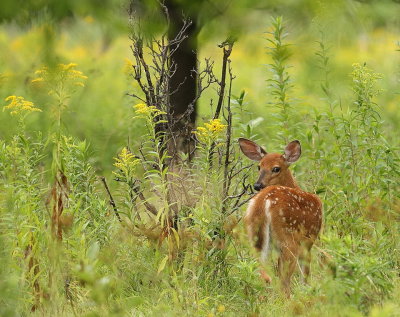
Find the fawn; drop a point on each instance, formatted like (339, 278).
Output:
(281, 211)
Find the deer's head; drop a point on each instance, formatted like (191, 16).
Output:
(273, 167)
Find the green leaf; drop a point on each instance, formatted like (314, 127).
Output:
(162, 264)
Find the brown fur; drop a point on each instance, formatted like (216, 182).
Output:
(293, 212)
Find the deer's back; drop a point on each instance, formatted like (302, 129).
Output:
(289, 211)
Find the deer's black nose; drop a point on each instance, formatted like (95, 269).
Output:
(258, 186)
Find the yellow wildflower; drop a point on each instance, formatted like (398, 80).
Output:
(60, 73)
(18, 105)
(68, 66)
(210, 131)
(126, 162)
(215, 125)
(143, 109)
(124, 158)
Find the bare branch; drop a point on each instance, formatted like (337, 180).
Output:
(227, 49)
(112, 202)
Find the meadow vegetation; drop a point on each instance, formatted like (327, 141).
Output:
(85, 190)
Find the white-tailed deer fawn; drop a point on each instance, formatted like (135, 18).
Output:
(281, 211)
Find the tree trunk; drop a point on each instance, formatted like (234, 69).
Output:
(183, 83)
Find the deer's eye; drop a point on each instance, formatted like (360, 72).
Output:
(258, 167)
(276, 169)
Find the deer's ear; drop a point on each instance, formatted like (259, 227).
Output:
(292, 151)
(251, 149)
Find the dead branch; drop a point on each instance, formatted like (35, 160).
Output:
(226, 181)
(112, 202)
(227, 49)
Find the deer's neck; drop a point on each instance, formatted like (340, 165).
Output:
(289, 181)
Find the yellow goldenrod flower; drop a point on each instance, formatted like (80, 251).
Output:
(61, 73)
(210, 131)
(215, 125)
(18, 105)
(68, 66)
(147, 111)
(124, 158)
(126, 163)
(76, 74)
(141, 108)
